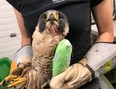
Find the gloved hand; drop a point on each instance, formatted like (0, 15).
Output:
(18, 76)
(85, 70)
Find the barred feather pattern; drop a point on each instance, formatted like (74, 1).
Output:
(44, 46)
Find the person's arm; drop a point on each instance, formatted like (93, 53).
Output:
(103, 17)
(23, 30)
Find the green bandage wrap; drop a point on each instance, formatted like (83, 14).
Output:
(61, 60)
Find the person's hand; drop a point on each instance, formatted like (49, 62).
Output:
(21, 70)
(87, 69)
(72, 78)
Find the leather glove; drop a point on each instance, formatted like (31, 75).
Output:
(17, 78)
(72, 78)
(85, 70)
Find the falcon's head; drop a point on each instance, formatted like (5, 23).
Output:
(53, 22)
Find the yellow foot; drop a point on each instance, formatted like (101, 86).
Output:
(7, 79)
(13, 81)
(20, 82)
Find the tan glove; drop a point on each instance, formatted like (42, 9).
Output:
(19, 73)
(74, 77)
(87, 69)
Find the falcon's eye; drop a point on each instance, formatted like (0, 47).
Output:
(44, 16)
(60, 16)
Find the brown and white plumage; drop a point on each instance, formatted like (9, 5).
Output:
(45, 39)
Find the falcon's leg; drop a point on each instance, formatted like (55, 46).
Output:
(32, 79)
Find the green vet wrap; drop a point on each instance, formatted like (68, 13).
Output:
(61, 60)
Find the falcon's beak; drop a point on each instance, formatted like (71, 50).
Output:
(52, 17)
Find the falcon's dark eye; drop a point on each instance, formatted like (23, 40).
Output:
(44, 16)
(61, 16)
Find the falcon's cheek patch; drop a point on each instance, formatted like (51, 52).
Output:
(42, 26)
(42, 22)
(61, 27)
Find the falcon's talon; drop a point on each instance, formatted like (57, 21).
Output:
(13, 80)
(18, 81)
(10, 77)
